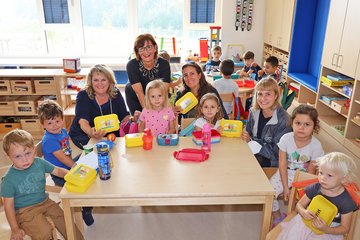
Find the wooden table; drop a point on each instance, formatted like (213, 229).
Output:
(231, 175)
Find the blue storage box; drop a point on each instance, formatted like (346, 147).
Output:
(167, 139)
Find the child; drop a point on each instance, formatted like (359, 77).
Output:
(209, 112)
(214, 63)
(335, 169)
(267, 123)
(250, 66)
(270, 67)
(157, 113)
(23, 189)
(56, 145)
(226, 84)
(164, 54)
(298, 150)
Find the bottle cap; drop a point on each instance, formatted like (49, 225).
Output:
(147, 131)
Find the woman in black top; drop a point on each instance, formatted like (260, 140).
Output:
(147, 66)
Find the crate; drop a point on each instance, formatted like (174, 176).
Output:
(340, 106)
(21, 87)
(7, 107)
(32, 126)
(45, 86)
(26, 106)
(5, 87)
(7, 127)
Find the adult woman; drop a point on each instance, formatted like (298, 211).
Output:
(100, 97)
(143, 69)
(194, 81)
(267, 122)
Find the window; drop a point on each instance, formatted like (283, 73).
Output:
(56, 11)
(202, 11)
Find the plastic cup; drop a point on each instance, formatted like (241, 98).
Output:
(88, 148)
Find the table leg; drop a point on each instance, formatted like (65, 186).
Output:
(267, 209)
(69, 219)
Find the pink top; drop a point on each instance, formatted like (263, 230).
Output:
(157, 121)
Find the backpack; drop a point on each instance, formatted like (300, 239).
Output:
(128, 127)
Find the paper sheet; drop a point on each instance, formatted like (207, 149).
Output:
(90, 160)
(254, 146)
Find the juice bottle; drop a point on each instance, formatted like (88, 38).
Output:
(206, 138)
(147, 139)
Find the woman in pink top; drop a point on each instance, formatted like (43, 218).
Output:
(157, 113)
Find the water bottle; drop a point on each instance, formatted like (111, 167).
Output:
(147, 139)
(208, 67)
(206, 138)
(103, 160)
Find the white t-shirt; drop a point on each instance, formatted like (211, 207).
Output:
(299, 158)
(224, 85)
(200, 122)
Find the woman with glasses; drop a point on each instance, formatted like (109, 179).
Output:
(146, 67)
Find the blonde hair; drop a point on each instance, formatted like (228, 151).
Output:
(268, 83)
(109, 75)
(211, 96)
(17, 136)
(160, 85)
(340, 162)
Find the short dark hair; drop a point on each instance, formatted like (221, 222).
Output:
(249, 55)
(49, 109)
(274, 62)
(307, 110)
(216, 48)
(227, 67)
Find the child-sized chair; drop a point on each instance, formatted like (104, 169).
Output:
(228, 97)
(291, 212)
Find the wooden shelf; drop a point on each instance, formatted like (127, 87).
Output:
(68, 92)
(326, 104)
(357, 101)
(70, 110)
(327, 123)
(335, 89)
(357, 123)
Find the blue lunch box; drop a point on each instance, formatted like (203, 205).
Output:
(167, 139)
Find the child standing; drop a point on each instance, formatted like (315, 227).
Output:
(250, 66)
(215, 61)
(226, 84)
(335, 169)
(209, 112)
(23, 189)
(267, 123)
(56, 144)
(270, 67)
(157, 113)
(297, 150)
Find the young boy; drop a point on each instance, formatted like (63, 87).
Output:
(23, 189)
(250, 66)
(214, 63)
(165, 55)
(56, 145)
(226, 84)
(270, 67)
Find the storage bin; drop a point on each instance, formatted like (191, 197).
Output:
(45, 86)
(7, 106)
(5, 87)
(7, 127)
(21, 87)
(26, 106)
(32, 126)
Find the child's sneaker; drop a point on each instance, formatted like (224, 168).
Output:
(278, 220)
(87, 215)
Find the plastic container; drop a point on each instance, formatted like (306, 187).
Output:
(197, 137)
(322, 208)
(134, 140)
(103, 160)
(231, 128)
(79, 178)
(108, 123)
(187, 102)
(147, 139)
(167, 139)
(206, 138)
(191, 154)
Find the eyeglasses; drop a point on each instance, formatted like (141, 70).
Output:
(146, 48)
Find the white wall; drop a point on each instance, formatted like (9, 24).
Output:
(253, 39)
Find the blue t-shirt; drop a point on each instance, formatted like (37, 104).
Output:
(27, 187)
(55, 142)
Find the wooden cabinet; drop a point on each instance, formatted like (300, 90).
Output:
(278, 23)
(342, 41)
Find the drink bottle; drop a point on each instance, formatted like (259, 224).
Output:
(147, 139)
(103, 160)
(206, 138)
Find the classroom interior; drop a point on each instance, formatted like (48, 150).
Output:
(311, 39)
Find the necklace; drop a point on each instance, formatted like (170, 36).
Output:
(101, 109)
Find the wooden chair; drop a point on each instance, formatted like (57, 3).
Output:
(227, 97)
(291, 212)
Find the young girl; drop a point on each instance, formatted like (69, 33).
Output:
(267, 123)
(335, 169)
(298, 150)
(157, 113)
(209, 112)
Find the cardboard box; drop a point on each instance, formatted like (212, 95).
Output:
(340, 106)
(71, 65)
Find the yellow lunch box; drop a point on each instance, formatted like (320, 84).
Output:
(187, 102)
(134, 139)
(231, 128)
(108, 123)
(79, 178)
